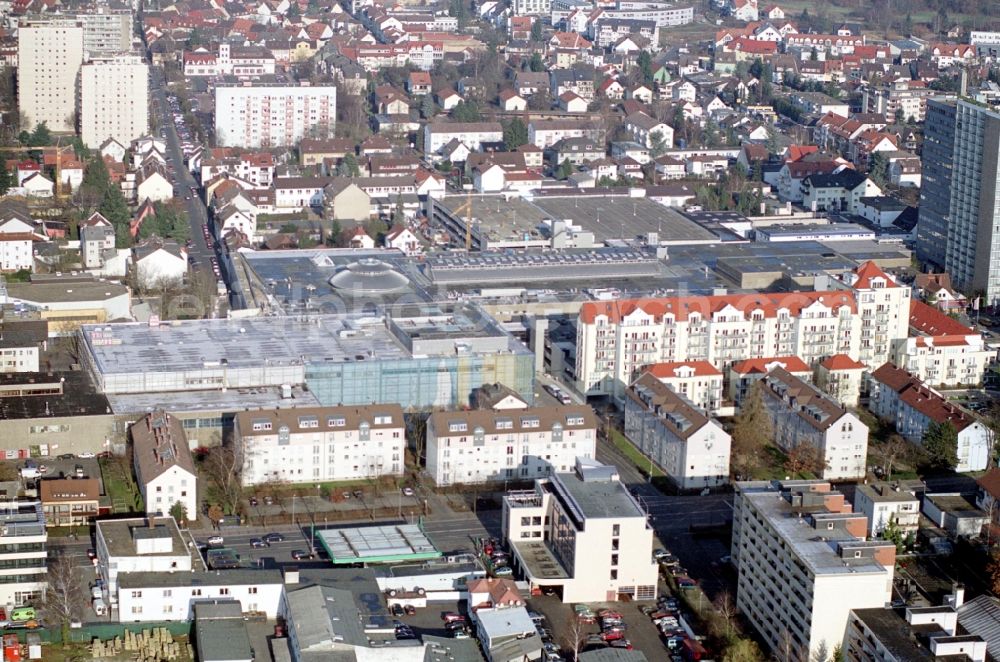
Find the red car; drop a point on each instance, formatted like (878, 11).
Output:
(612, 635)
(451, 616)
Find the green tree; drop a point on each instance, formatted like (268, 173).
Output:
(515, 134)
(941, 445)
(658, 144)
(877, 169)
(179, 512)
(466, 111)
(536, 64)
(894, 534)
(751, 431)
(565, 169)
(427, 107)
(742, 650)
(114, 208)
(645, 63)
(537, 35)
(41, 136)
(96, 179)
(348, 166)
(6, 177)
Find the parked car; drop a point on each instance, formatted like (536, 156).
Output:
(258, 543)
(253, 501)
(216, 541)
(408, 491)
(300, 554)
(20, 614)
(396, 609)
(450, 616)
(66, 456)
(410, 610)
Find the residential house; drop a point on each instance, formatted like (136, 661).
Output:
(158, 262)
(839, 376)
(70, 501)
(163, 465)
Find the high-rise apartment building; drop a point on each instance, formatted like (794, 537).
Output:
(106, 31)
(958, 209)
(803, 564)
(49, 56)
(270, 114)
(114, 100)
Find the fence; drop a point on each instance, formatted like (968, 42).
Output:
(102, 631)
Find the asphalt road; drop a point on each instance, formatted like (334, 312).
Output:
(197, 214)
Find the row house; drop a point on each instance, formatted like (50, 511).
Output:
(952, 355)
(859, 315)
(744, 374)
(472, 134)
(545, 133)
(699, 382)
(649, 131)
(911, 406)
(691, 448)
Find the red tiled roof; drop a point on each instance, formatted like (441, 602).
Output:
(930, 321)
(842, 362)
(991, 482)
(670, 369)
(682, 307)
(792, 364)
(868, 272)
(917, 395)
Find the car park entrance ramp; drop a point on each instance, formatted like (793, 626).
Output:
(390, 543)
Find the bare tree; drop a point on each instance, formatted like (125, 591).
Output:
(223, 468)
(574, 634)
(725, 606)
(62, 601)
(894, 447)
(804, 457)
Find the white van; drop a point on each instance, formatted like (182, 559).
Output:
(100, 608)
(30, 472)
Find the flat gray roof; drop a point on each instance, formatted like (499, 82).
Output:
(377, 544)
(240, 577)
(216, 401)
(625, 218)
(220, 633)
(599, 498)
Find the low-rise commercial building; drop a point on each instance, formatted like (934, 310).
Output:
(690, 447)
(310, 444)
(804, 563)
(143, 544)
(173, 596)
(508, 441)
(582, 534)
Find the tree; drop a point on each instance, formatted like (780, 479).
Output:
(114, 208)
(41, 136)
(427, 107)
(725, 606)
(893, 447)
(821, 654)
(536, 31)
(804, 458)
(6, 178)
(565, 169)
(223, 468)
(515, 134)
(466, 111)
(658, 144)
(894, 534)
(994, 571)
(62, 601)
(742, 650)
(215, 513)
(751, 431)
(536, 63)
(574, 634)
(941, 445)
(348, 166)
(95, 177)
(179, 512)
(645, 63)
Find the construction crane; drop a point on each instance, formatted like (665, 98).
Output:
(59, 152)
(467, 208)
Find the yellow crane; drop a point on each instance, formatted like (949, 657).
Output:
(467, 208)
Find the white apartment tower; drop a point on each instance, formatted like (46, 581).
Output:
(114, 100)
(273, 114)
(804, 563)
(49, 56)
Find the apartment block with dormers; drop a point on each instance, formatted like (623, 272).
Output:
(804, 563)
(309, 444)
(858, 314)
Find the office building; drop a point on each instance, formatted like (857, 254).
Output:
(310, 444)
(164, 468)
(23, 540)
(272, 113)
(172, 596)
(681, 439)
(114, 100)
(142, 545)
(958, 210)
(49, 56)
(508, 440)
(803, 563)
(583, 535)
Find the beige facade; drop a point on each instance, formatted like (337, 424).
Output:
(49, 56)
(114, 100)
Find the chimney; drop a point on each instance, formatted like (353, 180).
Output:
(957, 597)
(292, 575)
(151, 522)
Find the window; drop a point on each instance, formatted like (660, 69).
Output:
(167, 592)
(136, 594)
(614, 574)
(252, 590)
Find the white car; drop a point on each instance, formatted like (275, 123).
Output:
(86, 455)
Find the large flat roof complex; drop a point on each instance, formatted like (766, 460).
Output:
(377, 544)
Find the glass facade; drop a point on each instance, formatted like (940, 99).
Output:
(420, 383)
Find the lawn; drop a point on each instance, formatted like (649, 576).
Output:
(120, 486)
(642, 462)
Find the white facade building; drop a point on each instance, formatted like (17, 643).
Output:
(171, 596)
(114, 100)
(271, 115)
(49, 56)
(700, 382)
(690, 447)
(515, 443)
(310, 444)
(17, 238)
(582, 534)
(164, 468)
(158, 262)
(471, 134)
(858, 314)
(884, 504)
(23, 567)
(141, 545)
(904, 400)
(803, 564)
(802, 414)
